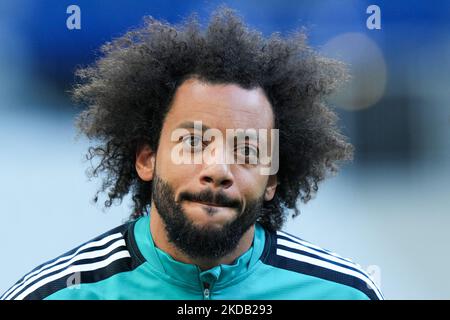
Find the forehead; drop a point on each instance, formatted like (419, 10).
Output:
(221, 106)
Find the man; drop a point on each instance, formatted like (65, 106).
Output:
(209, 206)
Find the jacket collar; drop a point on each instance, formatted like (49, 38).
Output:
(190, 274)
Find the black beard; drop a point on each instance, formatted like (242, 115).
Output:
(202, 242)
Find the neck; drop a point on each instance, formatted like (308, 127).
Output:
(160, 238)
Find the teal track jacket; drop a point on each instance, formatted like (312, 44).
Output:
(124, 263)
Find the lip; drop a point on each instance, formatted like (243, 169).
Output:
(209, 204)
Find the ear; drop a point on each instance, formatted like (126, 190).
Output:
(145, 162)
(271, 188)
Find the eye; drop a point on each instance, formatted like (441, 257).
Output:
(247, 151)
(192, 143)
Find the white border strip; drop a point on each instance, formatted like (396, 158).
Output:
(328, 265)
(81, 256)
(93, 244)
(75, 269)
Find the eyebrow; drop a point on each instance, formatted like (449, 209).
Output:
(190, 125)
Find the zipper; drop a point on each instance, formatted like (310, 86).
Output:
(206, 292)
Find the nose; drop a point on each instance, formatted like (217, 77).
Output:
(217, 176)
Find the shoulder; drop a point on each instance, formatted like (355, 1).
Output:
(93, 261)
(289, 252)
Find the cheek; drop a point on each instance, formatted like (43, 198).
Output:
(177, 175)
(171, 169)
(164, 164)
(252, 183)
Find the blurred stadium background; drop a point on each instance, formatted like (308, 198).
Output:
(389, 208)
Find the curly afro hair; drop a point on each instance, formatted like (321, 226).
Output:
(129, 89)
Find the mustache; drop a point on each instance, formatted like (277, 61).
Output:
(218, 198)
